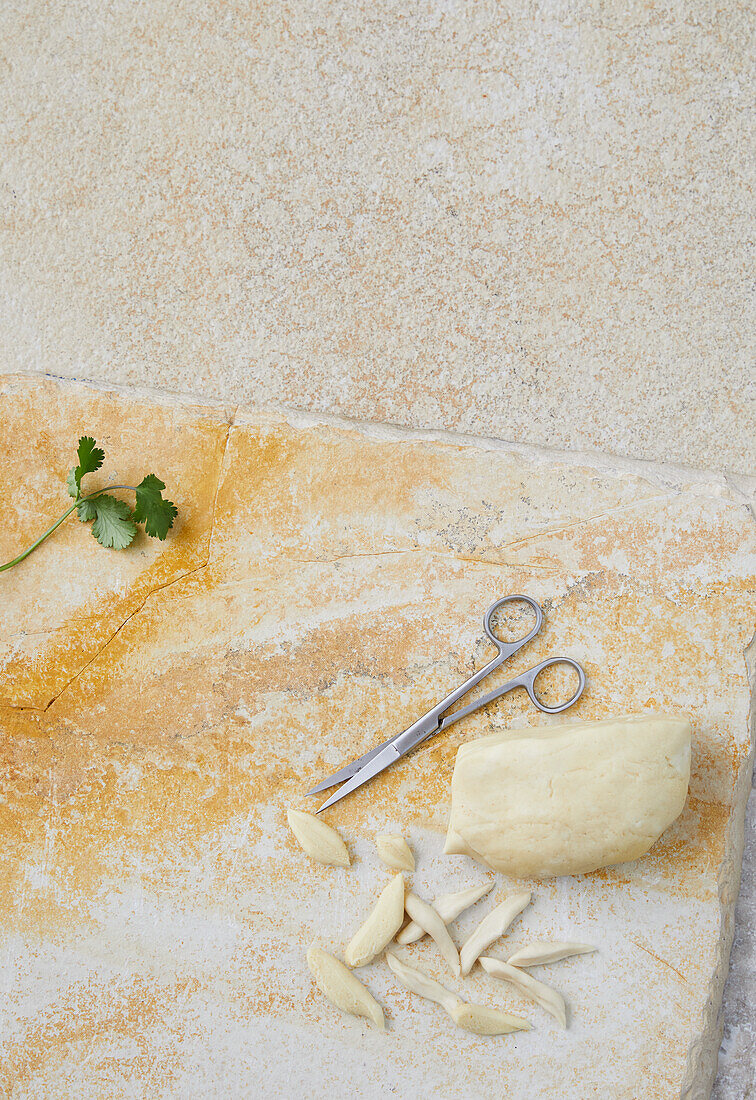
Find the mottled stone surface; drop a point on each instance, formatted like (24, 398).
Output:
(737, 1057)
(528, 221)
(325, 586)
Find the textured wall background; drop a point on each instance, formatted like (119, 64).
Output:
(527, 221)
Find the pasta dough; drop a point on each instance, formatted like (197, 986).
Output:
(342, 988)
(565, 800)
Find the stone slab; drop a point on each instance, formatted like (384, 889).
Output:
(162, 706)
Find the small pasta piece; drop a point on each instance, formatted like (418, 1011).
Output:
(540, 952)
(491, 928)
(539, 992)
(429, 920)
(448, 907)
(417, 981)
(476, 1018)
(482, 1020)
(395, 852)
(318, 840)
(380, 927)
(342, 988)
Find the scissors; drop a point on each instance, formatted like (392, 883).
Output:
(357, 773)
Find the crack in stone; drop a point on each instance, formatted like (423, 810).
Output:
(575, 524)
(117, 631)
(148, 594)
(350, 557)
(413, 550)
(588, 519)
(746, 499)
(661, 960)
(221, 467)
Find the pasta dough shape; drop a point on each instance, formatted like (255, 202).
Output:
(565, 800)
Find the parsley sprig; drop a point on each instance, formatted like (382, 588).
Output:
(113, 522)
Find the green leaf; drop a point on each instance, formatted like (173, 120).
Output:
(113, 525)
(156, 514)
(86, 510)
(91, 457)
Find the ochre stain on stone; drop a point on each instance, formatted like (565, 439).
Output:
(65, 603)
(123, 1011)
(179, 698)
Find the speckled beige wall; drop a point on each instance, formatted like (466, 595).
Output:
(522, 220)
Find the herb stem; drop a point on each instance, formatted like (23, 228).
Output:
(56, 525)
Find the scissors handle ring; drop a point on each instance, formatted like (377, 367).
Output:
(507, 649)
(528, 679)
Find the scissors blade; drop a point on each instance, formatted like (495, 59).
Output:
(349, 769)
(382, 760)
(426, 725)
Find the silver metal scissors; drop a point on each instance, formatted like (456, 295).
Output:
(357, 773)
